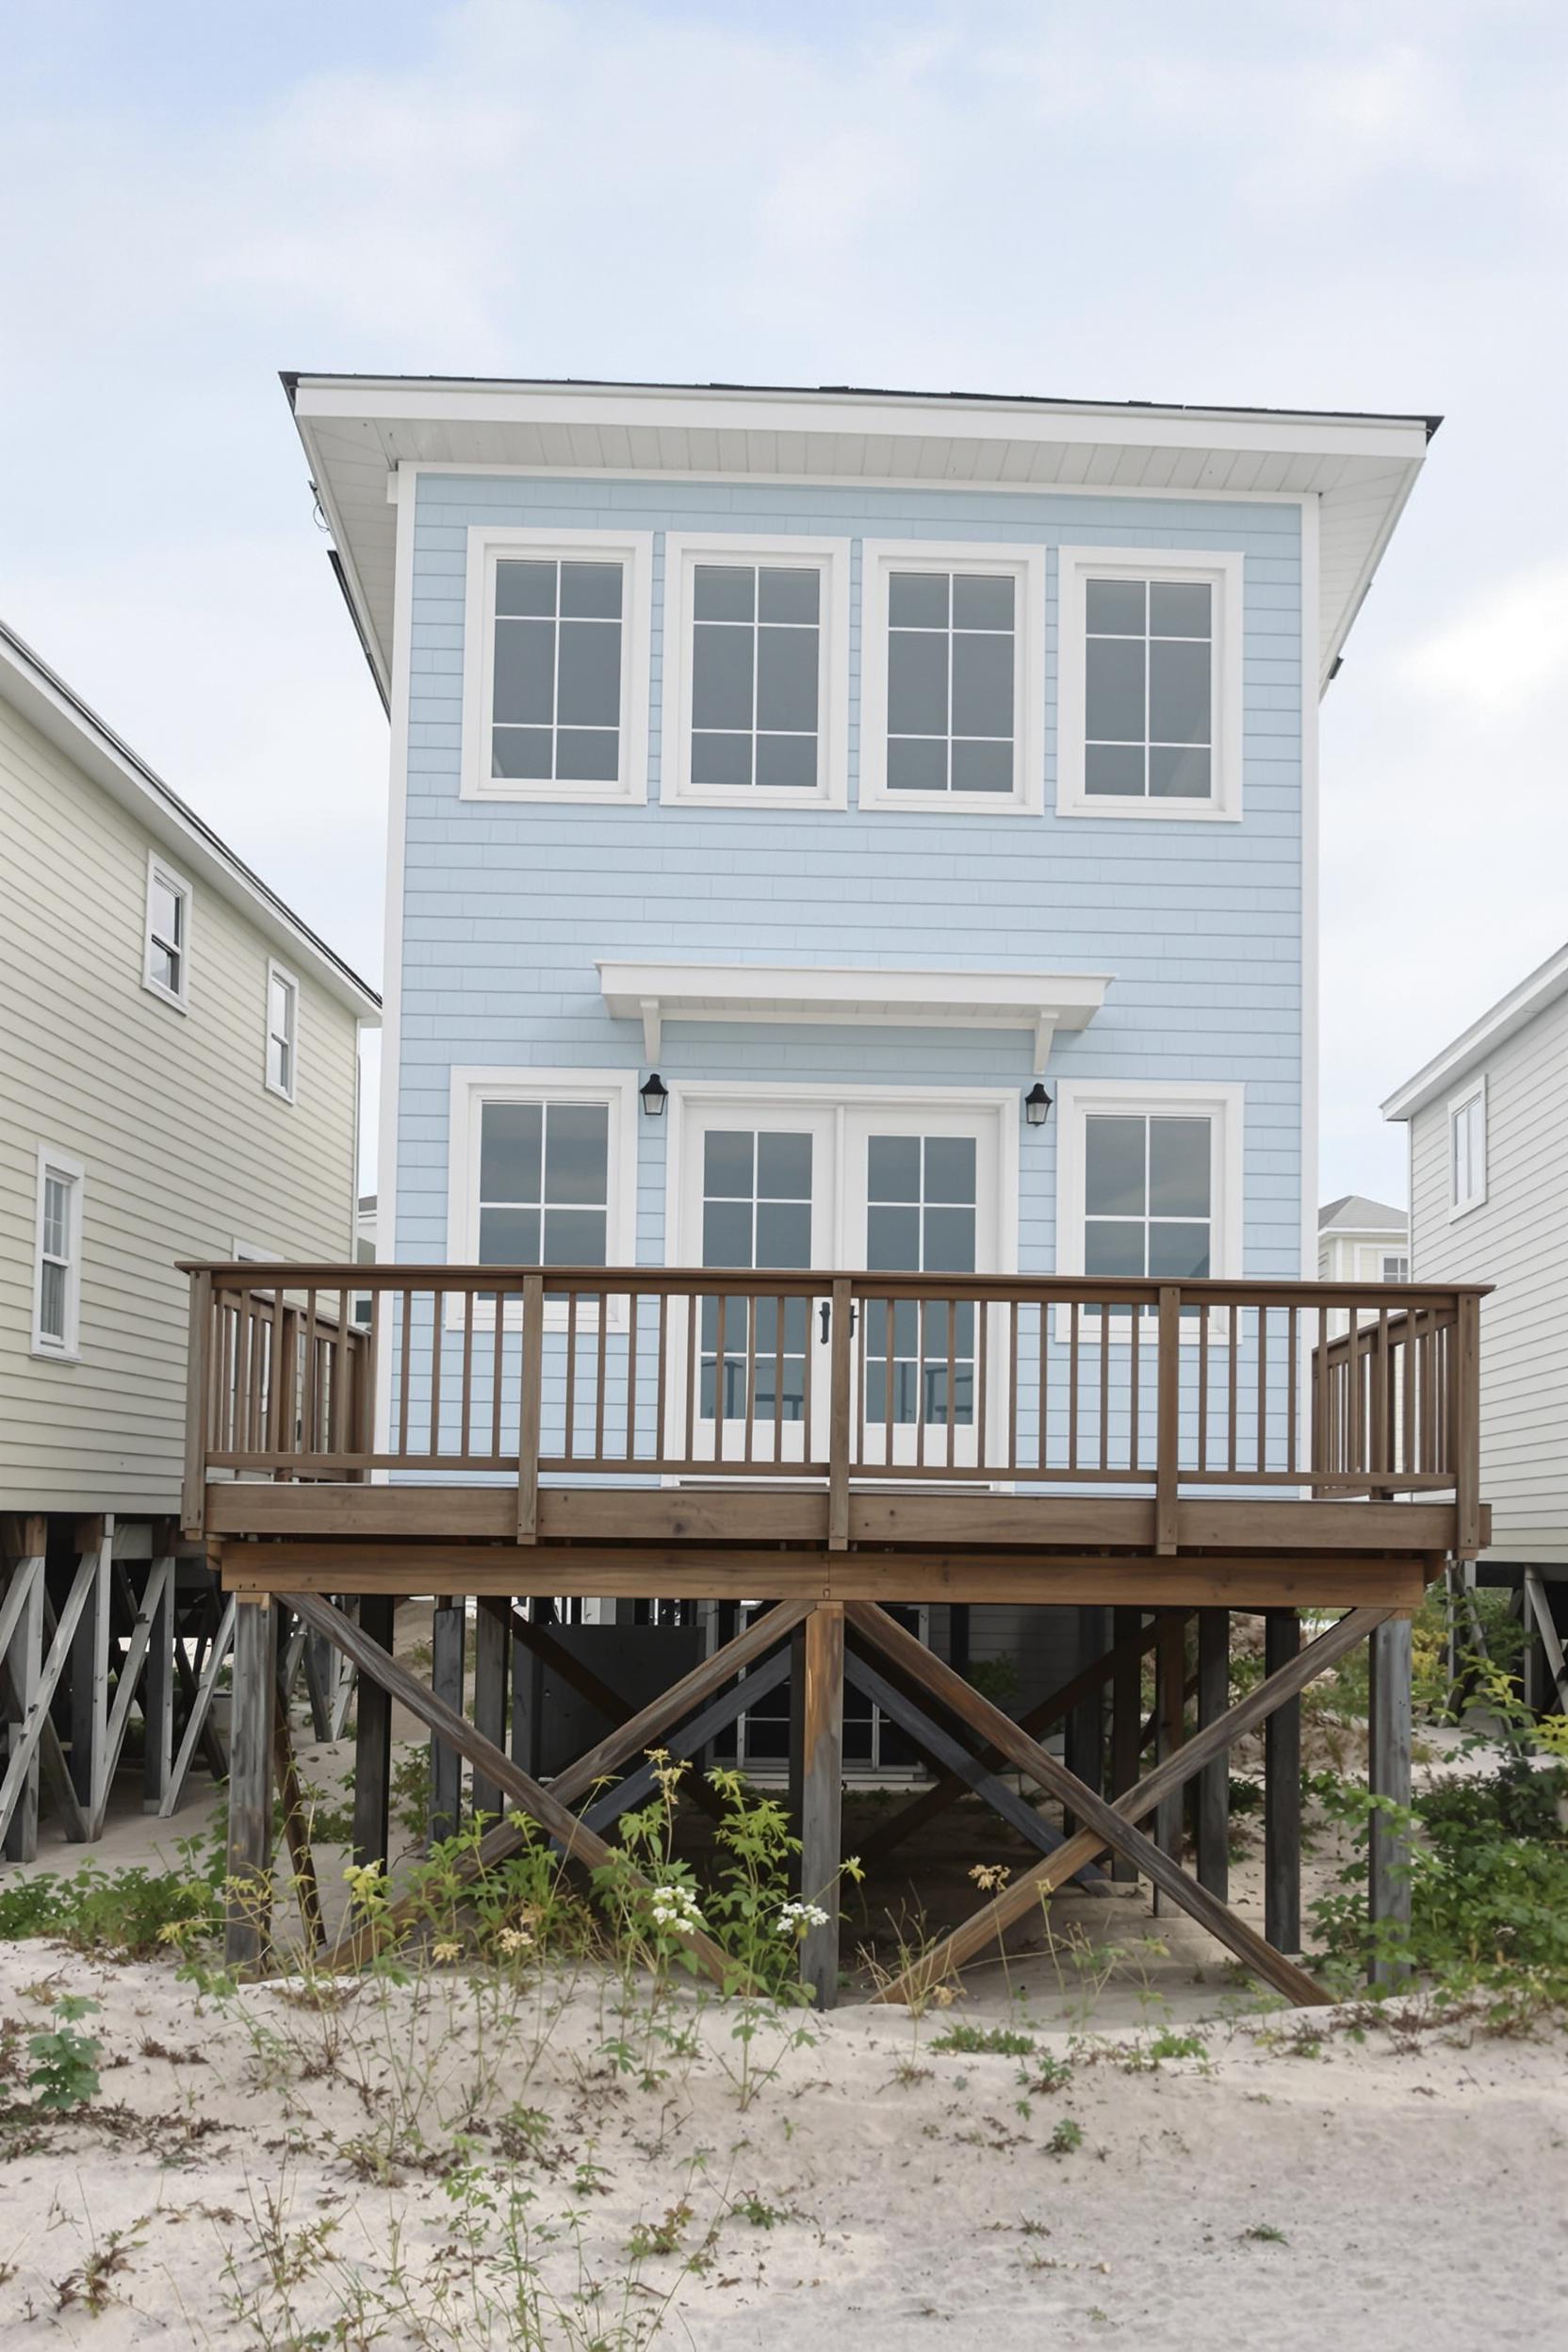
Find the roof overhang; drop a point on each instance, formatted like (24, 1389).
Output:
(358, 430)
(1511, 1014)
(29, 685)
(1039, 1003)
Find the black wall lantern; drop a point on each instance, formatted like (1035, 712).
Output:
(655, 1094)
(1037, 1105)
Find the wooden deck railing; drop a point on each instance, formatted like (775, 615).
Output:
(596, 1375)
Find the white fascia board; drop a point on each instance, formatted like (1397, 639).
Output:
(99, 755)
(1042, 1003)
(343, 541)
(1506, 1018)
(909, 415)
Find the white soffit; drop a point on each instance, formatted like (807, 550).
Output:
(357, 431)
(1039, 1002)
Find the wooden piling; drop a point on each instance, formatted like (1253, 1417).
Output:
(822, 1793)
(1282, 1826)
(1388, 1774)
(248, 1928)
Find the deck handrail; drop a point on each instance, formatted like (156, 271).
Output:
(651, 1372)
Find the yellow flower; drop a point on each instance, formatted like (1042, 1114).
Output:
(445, 1952)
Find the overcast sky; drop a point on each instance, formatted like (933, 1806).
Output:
(1315, 205)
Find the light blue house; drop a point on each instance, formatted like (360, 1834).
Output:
(925, 788)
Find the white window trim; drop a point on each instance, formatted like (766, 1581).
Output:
(830, 559)
(1077, 1099)
(1027, 566)
(65, 1350)
(488, 544)
(1222, 570)
(158, 868)
(281, 972)
(472, 1086)
(1475, 1092)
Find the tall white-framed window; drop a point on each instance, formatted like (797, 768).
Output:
(1148, 1178)
(542, 1168)
(282, 1031)
(1467, 1148)
(756, 671)
(555, 664)
(952, 678)
(57, 1256)
(1149, 702)
(166, 943)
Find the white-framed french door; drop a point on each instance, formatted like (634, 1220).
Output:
(859, 1179)
(920, 1188)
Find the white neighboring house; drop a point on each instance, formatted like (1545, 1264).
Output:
(178, 1079)
(1362, 1241)
(1488, 1125)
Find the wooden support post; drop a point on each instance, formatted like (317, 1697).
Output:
(1084, 1745)
(1126, 1720)
(247, 1930)
(1213, 1783)
(1170, 1684)
(1388, 1771)
(821, 1795)
(157, 1681)
(448, 1635)
(839, 1403)
(958, 1638)
(90, 1667)
(197, 1722)
(21, 1655)
(373, 1743)
(492, 1640)
(531, 1409)
(1282, 1826)
(527, 1697)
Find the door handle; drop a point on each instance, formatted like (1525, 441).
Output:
(826, 1311)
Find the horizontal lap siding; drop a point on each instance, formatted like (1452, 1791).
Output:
(184, 1150)
(506, 908)
(1517, 1239)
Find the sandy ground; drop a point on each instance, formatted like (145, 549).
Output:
(1280, 2189)
(266, 2163)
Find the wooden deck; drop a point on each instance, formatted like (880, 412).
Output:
(696, 1434)
(1150, 1453)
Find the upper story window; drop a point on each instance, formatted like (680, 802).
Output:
(1149, 685)
(555, 665)
(282, 1025)
(166, 946)
(953, 693)
(755, 662)
(1467, 1148)
(58, 1281)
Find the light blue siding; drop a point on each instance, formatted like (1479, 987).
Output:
(506, 908)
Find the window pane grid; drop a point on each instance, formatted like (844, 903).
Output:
(779, 663)
(920, 1193)
(1147, 1199)
(55, 1257)
(1149, 702)
(948, 629)
(544, 1183)
(556, 670)
(756, 1213)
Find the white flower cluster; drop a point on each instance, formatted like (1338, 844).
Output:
(796, 1918)
(674, 1908)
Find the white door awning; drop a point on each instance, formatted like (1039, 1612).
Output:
(1039, 1002)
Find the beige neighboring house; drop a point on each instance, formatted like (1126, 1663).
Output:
(178, 1079)
(1488, 1125)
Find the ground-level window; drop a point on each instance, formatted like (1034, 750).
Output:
(542, 1168)
(1467, 1149)
(1395, 1267)
(1149, 1179)
(282, 1023)
(57, 1295)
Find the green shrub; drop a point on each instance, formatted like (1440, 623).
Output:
(123, 1912)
